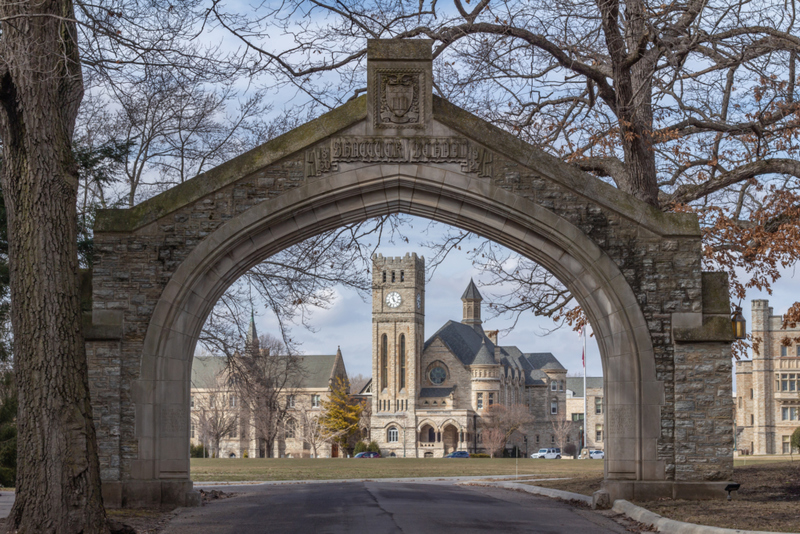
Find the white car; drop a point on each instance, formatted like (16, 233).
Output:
(549, 454)
(596, 455)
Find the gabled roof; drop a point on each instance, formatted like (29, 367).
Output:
(319, 370)
(575, 384)
(471, 293)
(354, 111)
(463, 341)
(473, 347)
(205, 370)
(545, 361)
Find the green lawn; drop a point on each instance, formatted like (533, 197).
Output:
(262, 469)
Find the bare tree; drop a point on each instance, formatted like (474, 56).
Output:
(266, 382)
(562, 428)
(357, 382)
(500, 422)
(687, 106)
(215, 413)
(494, 440)
(312, 432)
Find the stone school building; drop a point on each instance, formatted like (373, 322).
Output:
(768, 387)
(429, 394)
(214, 398)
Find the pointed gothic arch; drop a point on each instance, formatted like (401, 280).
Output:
(634, 270)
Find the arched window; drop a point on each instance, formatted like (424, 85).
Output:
(402, 357)
(392, 435)
(290, 428)
(384, 361)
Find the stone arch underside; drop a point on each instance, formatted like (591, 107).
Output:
(634, 394)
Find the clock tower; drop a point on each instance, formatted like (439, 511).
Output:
(398, 318)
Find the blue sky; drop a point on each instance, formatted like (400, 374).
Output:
(347, 324)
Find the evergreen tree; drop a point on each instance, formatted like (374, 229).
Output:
(340, 416)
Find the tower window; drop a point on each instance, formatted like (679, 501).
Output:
(491, 399)
(392, 276)
(402, 357)
(480, 401)
(402, 276)
(784, 350)
(384, 361)
(384, 277)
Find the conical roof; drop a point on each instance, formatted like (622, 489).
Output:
(484, 355)
(471, 293)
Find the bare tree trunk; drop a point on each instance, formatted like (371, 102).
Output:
(58, 477)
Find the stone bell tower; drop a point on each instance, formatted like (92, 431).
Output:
(398, 318)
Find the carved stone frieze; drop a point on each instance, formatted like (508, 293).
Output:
(351, 149)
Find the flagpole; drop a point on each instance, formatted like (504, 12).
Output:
(585, 413)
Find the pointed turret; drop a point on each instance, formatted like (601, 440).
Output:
(252, 343)
(472, 306)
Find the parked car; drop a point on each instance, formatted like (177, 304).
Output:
(549, 454)
(458, 454)
(367, 455)
(596, 455)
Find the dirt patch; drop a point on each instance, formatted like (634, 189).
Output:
(214, 495)
(143, 521)
(585, 485)
(769, 499)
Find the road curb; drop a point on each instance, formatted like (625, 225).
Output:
(621, 506)
(670, 526)
(536, 490)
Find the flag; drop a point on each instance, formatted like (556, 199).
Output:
(583, 350)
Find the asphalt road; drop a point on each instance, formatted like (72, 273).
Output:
(385, 508)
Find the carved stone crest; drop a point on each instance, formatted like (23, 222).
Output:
(399, 99)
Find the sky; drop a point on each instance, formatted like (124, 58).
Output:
(347, 324)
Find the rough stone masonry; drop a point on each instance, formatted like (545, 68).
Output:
(662, 324)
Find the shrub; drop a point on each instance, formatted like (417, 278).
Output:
(570, 449)
(373, 447)
(245, 455)
(197, 451)
(479, 455)
(360, 447)
(795, 442)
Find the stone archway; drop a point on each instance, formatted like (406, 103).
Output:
(450, 438)
(635, 271)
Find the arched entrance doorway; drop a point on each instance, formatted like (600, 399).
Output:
(635, 272)
(450, 438)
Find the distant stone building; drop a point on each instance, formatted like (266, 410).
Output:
(768, 387)
(591, 423)
(209, 379)
(428, 395)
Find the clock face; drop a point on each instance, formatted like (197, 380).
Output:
(419, 301)
(393, 299)
(438, 375)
